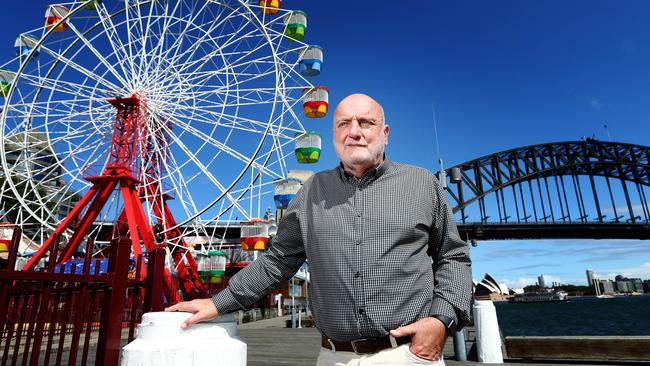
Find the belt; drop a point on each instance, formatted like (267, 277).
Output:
(367, 345)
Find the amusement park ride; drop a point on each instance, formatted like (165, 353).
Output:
(166, 100)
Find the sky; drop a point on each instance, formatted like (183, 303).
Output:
(500, 75)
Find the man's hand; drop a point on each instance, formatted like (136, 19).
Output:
(203, 309)
(428, 336)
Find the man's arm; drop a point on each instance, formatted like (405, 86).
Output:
(263, 275)
(451, 264)
(248, 286)
(453, 283)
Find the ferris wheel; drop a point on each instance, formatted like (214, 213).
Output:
(215, 92)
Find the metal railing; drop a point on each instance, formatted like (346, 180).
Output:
(75, 318)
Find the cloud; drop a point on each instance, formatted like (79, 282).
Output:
(530, 266)
(642, 271)
(511, 252)
(595, 103)
(525, 281)
(591, 251)
(622, 210)
(519, 282)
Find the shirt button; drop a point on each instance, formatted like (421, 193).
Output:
(357, 274)
(358, 242)
(358, 214)
(362, 311)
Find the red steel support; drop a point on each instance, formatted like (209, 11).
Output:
(127, 149)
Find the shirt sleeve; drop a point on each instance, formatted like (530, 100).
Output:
(277, 265)
(451, 263)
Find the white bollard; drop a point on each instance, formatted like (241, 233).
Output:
(488, 338)
(160, 341)
(299, 318)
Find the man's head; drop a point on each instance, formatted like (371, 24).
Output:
(360, 133)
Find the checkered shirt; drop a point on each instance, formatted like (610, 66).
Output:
(383, 252)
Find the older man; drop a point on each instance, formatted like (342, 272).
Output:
(390, 275)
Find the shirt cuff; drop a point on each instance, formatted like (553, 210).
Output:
(225, 302)
(440, 306)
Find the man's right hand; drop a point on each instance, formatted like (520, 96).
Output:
(203, 310)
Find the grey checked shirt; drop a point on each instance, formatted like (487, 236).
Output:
(383, 252)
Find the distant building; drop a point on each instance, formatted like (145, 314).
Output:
(624, 286)
(606, 286)
(590, 277)
(637, 284)
(541, 281)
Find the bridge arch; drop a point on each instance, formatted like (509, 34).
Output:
(560, 186)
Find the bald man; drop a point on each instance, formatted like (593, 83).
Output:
(390, 276)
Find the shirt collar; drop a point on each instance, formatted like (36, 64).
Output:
(371, 174)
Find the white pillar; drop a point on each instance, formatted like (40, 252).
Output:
(488, 337)
(161, 341)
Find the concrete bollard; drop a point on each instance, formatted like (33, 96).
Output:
(160, 341)
(488, 338)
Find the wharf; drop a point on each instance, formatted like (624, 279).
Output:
(270, 343)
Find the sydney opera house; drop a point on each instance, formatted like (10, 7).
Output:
(490, 289)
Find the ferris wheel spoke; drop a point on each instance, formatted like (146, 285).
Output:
(234, 122)
(73, 65)
(230, 40)
(221, 25)
(120, 52)
(211, 141)
(61, 86)
(239, 122)
(179, 183)
(144, 36)
(107, 64)
(177, 44)
(158, 49)
(206, 171)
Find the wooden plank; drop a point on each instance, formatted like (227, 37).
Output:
(580, 347)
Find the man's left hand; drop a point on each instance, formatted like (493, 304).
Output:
(428, 336)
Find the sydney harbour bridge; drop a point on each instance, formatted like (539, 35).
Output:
(579, 189)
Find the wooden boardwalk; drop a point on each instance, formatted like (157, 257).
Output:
(270, 343)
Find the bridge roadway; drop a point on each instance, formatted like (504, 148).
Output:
(575, 230)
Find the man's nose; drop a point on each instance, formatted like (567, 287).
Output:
(355, 129)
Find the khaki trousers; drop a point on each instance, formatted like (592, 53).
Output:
(400, 356)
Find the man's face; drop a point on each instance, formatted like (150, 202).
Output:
(360, 134)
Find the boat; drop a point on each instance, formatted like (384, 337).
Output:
(605, 296)
(541, 296)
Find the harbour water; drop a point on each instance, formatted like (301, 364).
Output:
(622, 315)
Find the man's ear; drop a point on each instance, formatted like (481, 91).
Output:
(386, 130)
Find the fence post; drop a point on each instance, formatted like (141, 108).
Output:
(6, 284)
(110, 333)
(153, 293)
